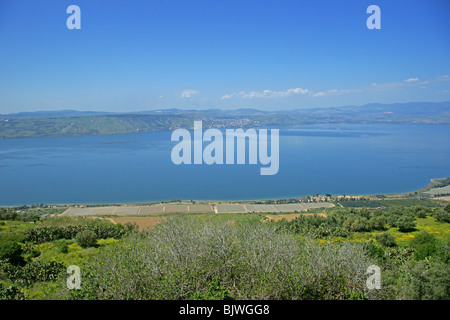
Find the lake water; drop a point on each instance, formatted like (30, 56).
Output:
(134, 168)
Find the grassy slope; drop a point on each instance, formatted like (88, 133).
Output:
(104, 124)
(15, 127)
(440, 229)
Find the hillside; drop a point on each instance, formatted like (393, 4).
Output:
(69, 122)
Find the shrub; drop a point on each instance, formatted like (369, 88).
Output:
(420, 211)
(405, 223)
(386, 239)
(375, 251)
(10, 293)
(35, 271)
(425, 245)
(422, 238)
(30, 251)
(52, 233)
(429, 282)
(7, 214)
(86, 239)
(11, 251)
(189, 258)
(447, 208)
(62, 246)
(443, 252)
(378, 223)
(441, 215)
(130, 227)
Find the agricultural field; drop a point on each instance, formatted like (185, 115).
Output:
(192, 208)
(292, 216)
(143, 223)
(93, 211)
(439, 191)
(149, 210)
(228, 208)
(386, 203)
(443, 198)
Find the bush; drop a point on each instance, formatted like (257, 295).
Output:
(62, 245)
(425, 245)
(386, 239)
(447, 208)
(378, 223)
(35, 271)
(422, 238)
(30, 251)
(429, 282)
(29, 217)
(52, 233)
(441, 215)
(86, 239)
(421, 211)
(11, 251)
(11, 293)
(189, 258)
(375, 251)
(7, 214)
(443, 252)
(131, 227)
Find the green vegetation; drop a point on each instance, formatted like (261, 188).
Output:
(188, 258)
(386, 239)
(231, 256)
(12, 252)
(386, 203)
(438, 183)
(98, 124)
(34, 255)
(345, 222)
(48, 234)
(86, 238)
(76, 123)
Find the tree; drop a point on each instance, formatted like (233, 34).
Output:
(425, 245)
(420, 211)
(131, 227)
(441, 215)
(86, 238)
(7, 214)
(378, 223)
(386, 239)
(447, 208)
(429, 282)
(405, 223)
(11, 251)
(11, 293)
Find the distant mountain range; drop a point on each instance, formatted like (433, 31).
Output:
(71, 122)
(51, 114)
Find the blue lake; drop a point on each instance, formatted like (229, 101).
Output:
(132, 168)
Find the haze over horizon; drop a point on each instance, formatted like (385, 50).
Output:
(268, 55)
(94, 111)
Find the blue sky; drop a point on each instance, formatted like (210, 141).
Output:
(274, 55)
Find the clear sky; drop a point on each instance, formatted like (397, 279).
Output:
(133, 55)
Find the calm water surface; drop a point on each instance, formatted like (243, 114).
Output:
(121, 168)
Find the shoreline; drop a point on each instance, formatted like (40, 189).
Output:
(248, 201)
